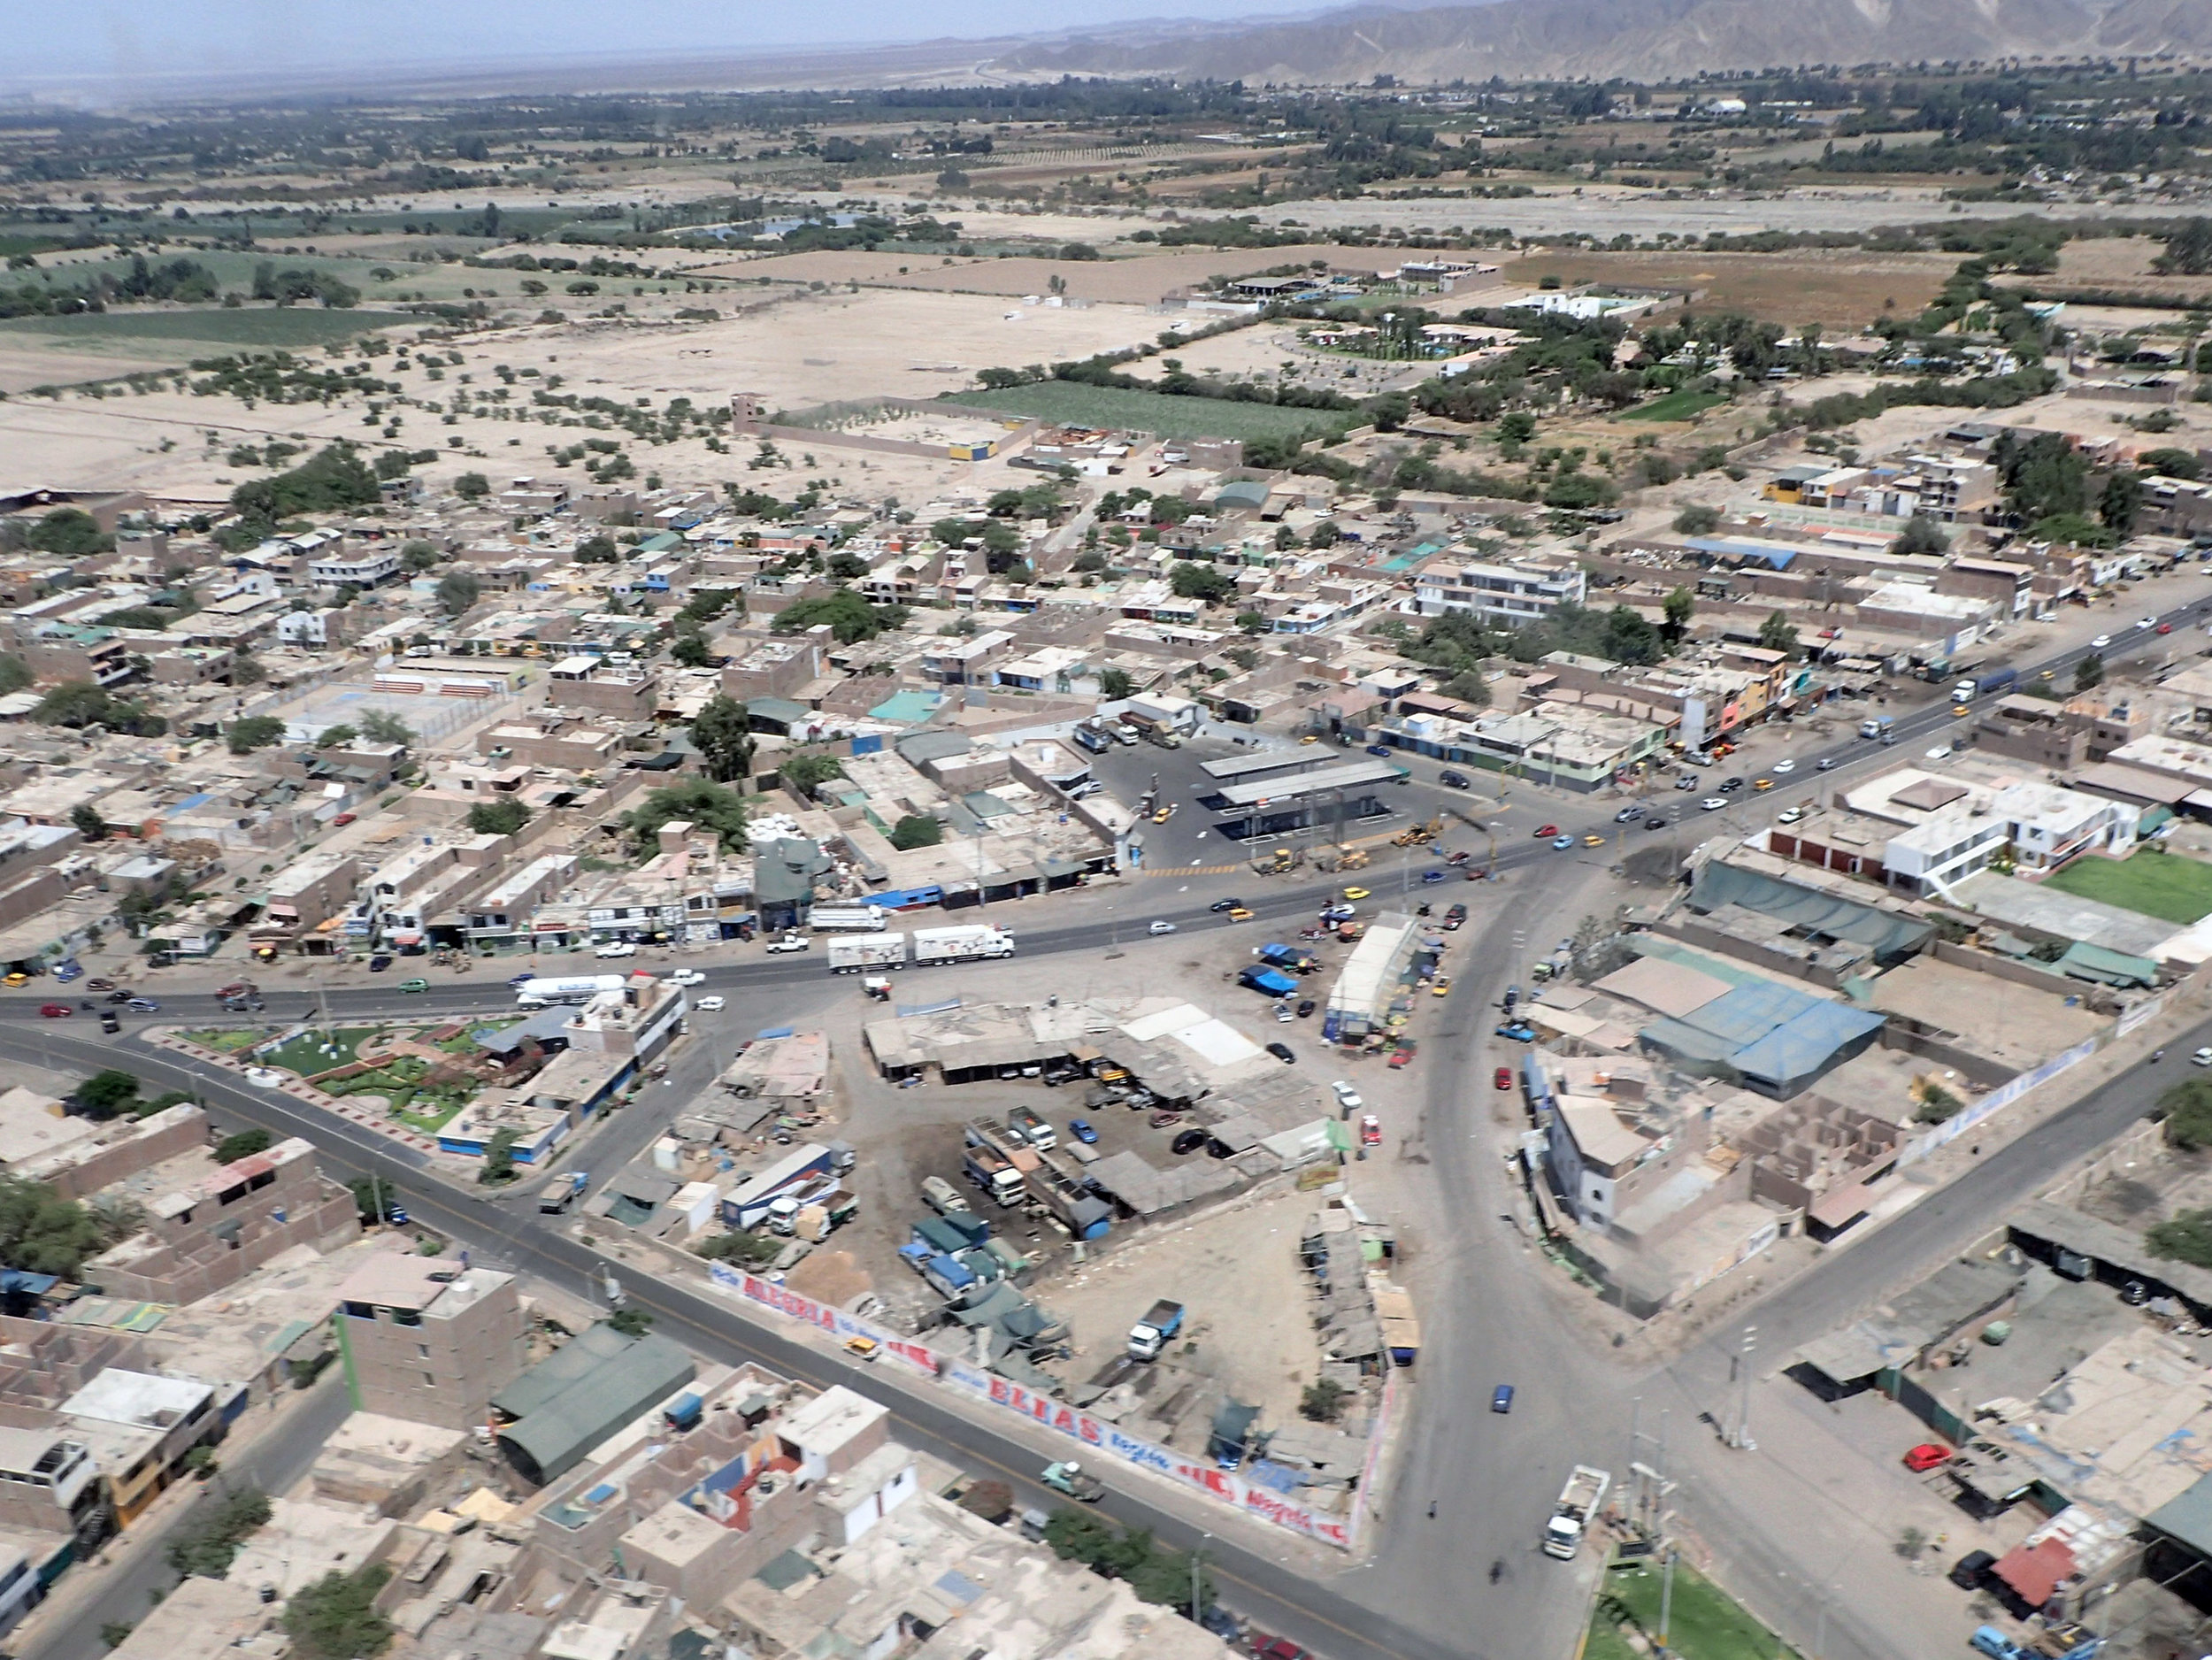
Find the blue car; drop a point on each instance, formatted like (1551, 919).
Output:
(1378, 749)
(1502, 1398)
(67, 971)
(1562, 842)
(1518, 1032)
(1431, 876)
(1081, 1129)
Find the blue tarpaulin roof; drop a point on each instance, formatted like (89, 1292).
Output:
(1777, 1037)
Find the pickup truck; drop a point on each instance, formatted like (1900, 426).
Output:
(1070, 1477)
(790, 942)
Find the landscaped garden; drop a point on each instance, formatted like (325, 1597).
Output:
(415, 1074)
(1702, 1621)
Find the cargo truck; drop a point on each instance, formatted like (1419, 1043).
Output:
(989, 1170)
(943, 1197)
(1031, 1128)
(1578, 1502)
(1268, 980)
(857, 954)
(1877, 727)
(540, 993)
(973, 942)
(846, 918)
(746, 1206)
(1151, 1334)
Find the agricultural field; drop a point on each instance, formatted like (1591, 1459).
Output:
(284, 326)
(1676, 406)
(2168, 885)
(1071, 402)
(1840, 290)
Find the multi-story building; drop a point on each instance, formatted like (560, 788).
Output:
(59, 652)
(425, 1339)
(49, 1483)
(365, 567)
(625, 691)
(1505, 596)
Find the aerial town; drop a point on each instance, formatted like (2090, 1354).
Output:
(716, 805)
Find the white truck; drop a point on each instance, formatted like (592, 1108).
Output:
(974, 941)
(540, 993)
(866, 951)
(1578, 1502)
(846, 918)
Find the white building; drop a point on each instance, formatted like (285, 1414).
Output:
(364, 569)
(1506, 595)
(2037, 827)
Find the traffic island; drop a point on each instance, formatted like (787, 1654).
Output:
(1699, 1620)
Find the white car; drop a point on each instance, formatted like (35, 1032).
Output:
(1783, 765)
(1161, 927)
(1941, 752)
(708, 1005)
(790, 942)
(2146, 622)
(1790, 815)
(1347, 1098)
(1713, 804)
(616, 948)
(2100, 643)
(686, 977)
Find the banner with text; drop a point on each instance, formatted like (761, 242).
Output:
(1996, 1101)
(1248, 1497)
(821, 1316)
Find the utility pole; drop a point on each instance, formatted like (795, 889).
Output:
(1666, 1599)
(1197, 1576)
(1740, 1439)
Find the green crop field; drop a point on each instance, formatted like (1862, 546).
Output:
(1114, 407)
(235, 325)
(1676, 406)
(2164, 885)
(1704, 1622)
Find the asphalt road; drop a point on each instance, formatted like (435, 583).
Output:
(1429, 1591)
(272, 1464)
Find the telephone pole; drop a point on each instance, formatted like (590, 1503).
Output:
(1740, 1437)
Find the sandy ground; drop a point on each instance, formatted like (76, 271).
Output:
(28, 360)
(1140, 280)
(1839, 289)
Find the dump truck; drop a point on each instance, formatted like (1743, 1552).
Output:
(1071, 1479)
(861, 952)
(991, 1171)
(972, 942)
(1151, 1334)
(1578, 1502)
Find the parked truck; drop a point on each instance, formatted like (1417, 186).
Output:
(1031, 1128)
(846, 918)
(993, 1172)
(1151, 1334)
(975, 941)
(1289, 958)
(943, 1197)
(1578, 1502)
(1268, 980)
(540, 993)
(746, 1206)
(860, 953)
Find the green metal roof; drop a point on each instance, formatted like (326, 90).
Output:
(550, 1440)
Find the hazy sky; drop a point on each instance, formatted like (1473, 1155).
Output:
(78, 40)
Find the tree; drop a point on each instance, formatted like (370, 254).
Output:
(381, 726)
(113, 1632)
(458, 593)
(247, 670)
(2188, 250)
(1469, 688)
(69, 533)
(807, 772)
(1922, 534)
(499, 1159)
(419, 555)
(255, 732)
(850, 617)
(335, 1617)
(471, 487)
(599, 550)
(244, 1144)
(1114, 684)
(2186, 1237)
(1324, 1401)
(79, 703)
(2187, 1110)
(701, 801)
(1254, 622)
(2120, 502)
(1192, 580)
(2089, 674)
(207, 1549)
(1676, 608)
(501, 816)
(335, 737)
(722, 731)
(1078, 1536)
(107, 1094)
(1777, 634)
(630, 1322)
(373, 1199)
(87, 822)
(917, 830)
(41, 1232)
(15, 674)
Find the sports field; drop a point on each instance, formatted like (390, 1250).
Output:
(2168, 885)
(1675, 406)
(1115, 407)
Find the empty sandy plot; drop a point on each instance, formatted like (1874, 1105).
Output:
(1838, 288)
(1137, 280)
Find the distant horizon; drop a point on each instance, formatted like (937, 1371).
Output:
(251, 46)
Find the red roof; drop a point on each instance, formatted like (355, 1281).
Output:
(2036, 1573)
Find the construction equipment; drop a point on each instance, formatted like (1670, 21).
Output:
(1275, 862)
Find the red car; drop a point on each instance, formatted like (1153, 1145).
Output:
(1503, 1077)
(342, 820)
(2165, 628)
(1545, 830)
(56, 1011)
(1267, 1648)
(1928, 1456)
(1401, 1059)
(1370, 1131)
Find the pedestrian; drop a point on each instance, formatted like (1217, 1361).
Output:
(1431, 1510)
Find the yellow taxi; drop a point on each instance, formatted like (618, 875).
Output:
(1163, 815)
(14, 978)
(1594, 840)
(1442, 987)
(1355, 893)
(1762, 783)
(1238, 913)
(1310, 737)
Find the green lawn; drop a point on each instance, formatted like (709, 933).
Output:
(1676, 406)
(228, 1042)
(239, 326)
(305, 1055)
(2168, 886)
(1704, 1622)
(1112, 407)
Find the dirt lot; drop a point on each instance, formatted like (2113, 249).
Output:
(2121, 262)
(1838, 289)
(1140, 279)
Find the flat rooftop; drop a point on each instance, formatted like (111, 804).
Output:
(1296, 785)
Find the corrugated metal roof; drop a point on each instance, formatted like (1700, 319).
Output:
(550, 1440)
